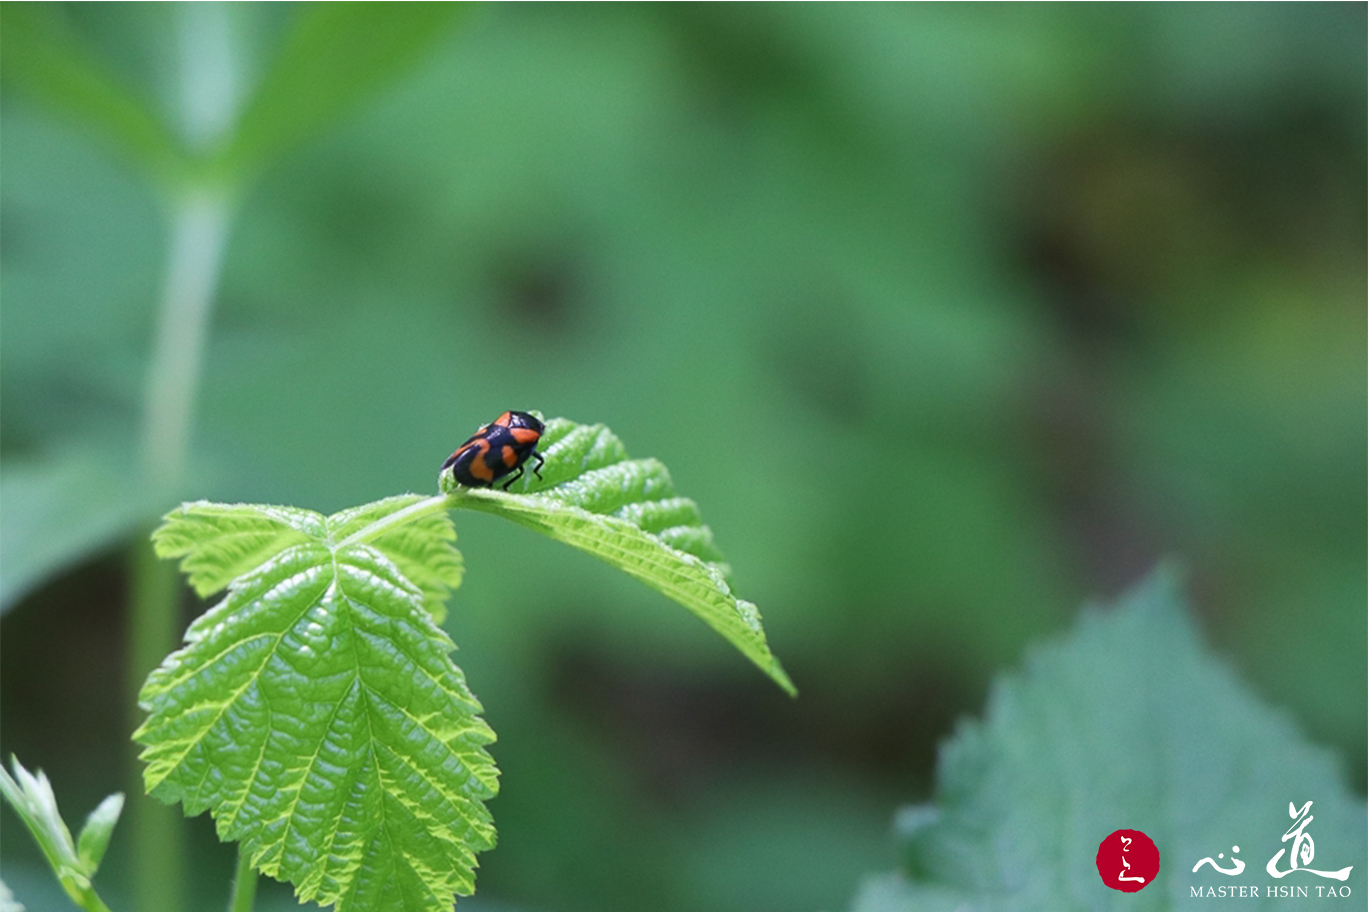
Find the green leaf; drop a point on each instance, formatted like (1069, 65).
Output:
(31, 797)
(44, 57)
(58, 510)
(1126, 724)
(217, 543)
(626, 512)
(99, 826)
(334, 55)
(421, 546)
(315, 710)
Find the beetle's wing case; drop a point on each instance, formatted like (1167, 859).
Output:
(496, 449)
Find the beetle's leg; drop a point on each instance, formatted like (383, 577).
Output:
(516, 476)
(536, 469)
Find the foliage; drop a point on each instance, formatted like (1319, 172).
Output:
(626, 513)
(315, 709)
(74, 863)
(334, 55)
(1126, 724)
(58, 509)
(947, 315)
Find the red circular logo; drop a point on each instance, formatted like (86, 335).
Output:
(1127, 860)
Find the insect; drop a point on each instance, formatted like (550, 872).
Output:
(496, 449)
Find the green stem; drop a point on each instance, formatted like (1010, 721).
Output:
(435, 504)
(84, 896)
(199, 236)
(460, 497)
(244, 884)
(201, 217)
(154, 828)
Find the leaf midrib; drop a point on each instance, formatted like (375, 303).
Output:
(318, 748)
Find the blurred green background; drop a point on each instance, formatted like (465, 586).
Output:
(948, 317)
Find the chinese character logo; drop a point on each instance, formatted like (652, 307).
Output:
(1236, 865)
(1127, 860)
(1300, 854)
(1303, 847)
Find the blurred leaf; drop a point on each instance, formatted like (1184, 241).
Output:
(625, 512)
(44, 58)
(32, 799)
(1126, 724)
(7, 902)
(57, 511)
(316, 711)
(335, 54)
(99, 826)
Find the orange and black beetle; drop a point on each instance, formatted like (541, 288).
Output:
(497, 449)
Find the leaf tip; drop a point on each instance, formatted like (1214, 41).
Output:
(780, 677)
(1160, 593)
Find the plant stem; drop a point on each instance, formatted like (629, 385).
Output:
(84, 896)
(154, 829)
(200, 217)
(199, 236)
(244, 884)
(435, 504)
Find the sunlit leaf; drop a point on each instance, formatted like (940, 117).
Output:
(315, 710)
(626, 512)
